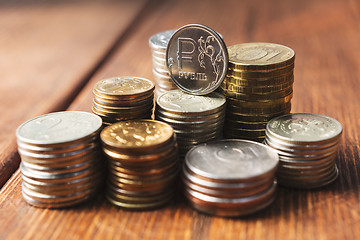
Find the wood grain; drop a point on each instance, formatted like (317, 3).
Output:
(325, 37)
(47, 53)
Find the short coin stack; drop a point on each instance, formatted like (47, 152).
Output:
(143, 163)
(258, 87)
(61, 160)
(230, 177)
(123, 98)
(195, 119)
(307, 145)
(158, 44)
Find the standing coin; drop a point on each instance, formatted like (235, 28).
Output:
(197, 59)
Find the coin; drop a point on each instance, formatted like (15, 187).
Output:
(304, 128)
(197, 59)
(176, 101)
(59, 127)
(259, 56)
(232, 159)
(160, 40)
(137, 134)
(123, 86)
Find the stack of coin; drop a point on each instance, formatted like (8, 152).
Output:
(195, 119)
(230, 177)
(143, 163)
(307, 145)
(61, 159)
(123, 98)
(258, 87)
(158, 44)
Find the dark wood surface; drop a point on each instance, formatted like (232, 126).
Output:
(113, 42)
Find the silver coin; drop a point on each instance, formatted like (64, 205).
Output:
(304, 128)
(58, 127)
(197, 59)
(232, 159)
(180, 102)
(161, 39)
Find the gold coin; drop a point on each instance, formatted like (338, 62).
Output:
(260, 74)
(256, 90)
(260, 56)
(123, 86)
(137, 134)
(137, 206)
(260, 82)
(245, 125)
(258, 97)
(255, 117)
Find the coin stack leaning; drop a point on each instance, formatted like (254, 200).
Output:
(143, 163)
(195, 119)
(307, 145)
(158, 44)
(230, 177)
(258, 87)
(123, 98)
(61, 159)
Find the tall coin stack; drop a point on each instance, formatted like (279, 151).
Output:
(143, 163)
(258, 87)
(158, 44)
(230, 177)
(61, 159)
(307, 145)
(195, 119)
(123, 98)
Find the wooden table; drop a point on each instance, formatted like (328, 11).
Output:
(52, 53)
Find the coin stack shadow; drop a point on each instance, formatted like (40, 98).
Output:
(158, 44)
(256, 89)
(307, 145)
(60, 166)
(195, 119)
(123, 98)
(142, 162)
(230, 177)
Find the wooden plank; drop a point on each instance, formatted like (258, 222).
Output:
(47, 52)
(326, 82)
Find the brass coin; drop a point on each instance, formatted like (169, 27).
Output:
(137, 134)
(260, 82)
(255, 90)
(258, 97)
(260, 56)
(123, 86)
(260, 74)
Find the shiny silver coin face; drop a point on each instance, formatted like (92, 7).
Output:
(161, 39)
(231, 159)
(178, 101)
(197, 59)
(304, 128)
(58, 127)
